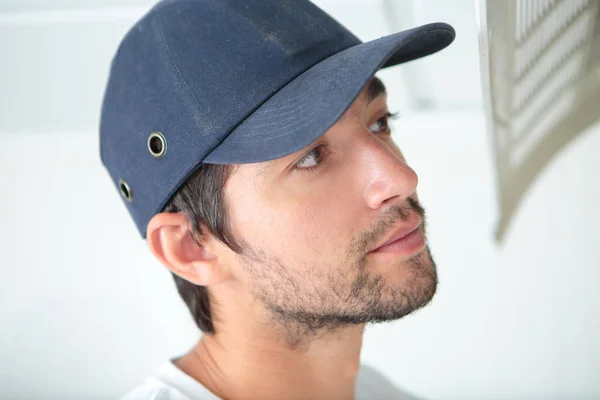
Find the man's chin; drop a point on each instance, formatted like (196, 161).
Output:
(409, 291)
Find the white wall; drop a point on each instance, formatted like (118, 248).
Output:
(86, 312)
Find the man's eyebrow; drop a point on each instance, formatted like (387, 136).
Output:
(375, 88)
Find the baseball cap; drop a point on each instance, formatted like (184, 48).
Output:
(232, 82)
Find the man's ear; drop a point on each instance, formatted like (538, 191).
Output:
(170, 240)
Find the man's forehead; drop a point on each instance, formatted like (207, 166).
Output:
(373, 90)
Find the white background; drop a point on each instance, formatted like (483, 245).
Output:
(87, 313)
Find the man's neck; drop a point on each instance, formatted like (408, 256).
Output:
(240, 363)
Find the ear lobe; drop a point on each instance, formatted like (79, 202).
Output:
(170, 240)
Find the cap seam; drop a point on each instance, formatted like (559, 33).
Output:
(262, 137)
(187, 88)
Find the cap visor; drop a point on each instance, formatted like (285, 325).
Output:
(309, 105)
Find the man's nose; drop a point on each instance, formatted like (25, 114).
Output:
(388, 177)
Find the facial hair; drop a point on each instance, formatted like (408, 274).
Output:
(316, 299)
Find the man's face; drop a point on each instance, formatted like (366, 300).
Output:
(309, 223)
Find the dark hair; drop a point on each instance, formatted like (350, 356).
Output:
(200, 198)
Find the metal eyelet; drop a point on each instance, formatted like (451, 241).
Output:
(125, 190)
(157, 144)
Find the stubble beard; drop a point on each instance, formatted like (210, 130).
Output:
(312, 301)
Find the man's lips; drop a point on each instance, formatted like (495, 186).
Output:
(402, 232)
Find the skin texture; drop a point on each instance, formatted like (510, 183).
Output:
(289, 311)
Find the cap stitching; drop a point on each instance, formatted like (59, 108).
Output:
(261, 136)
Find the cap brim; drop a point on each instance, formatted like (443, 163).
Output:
(309, 105)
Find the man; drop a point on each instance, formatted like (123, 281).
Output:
(249, 140)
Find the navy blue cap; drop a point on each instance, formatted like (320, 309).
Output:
(232, 82)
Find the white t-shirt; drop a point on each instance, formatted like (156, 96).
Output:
(170, 383)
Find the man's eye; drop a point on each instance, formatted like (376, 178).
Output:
(311, 159)
(382, 124)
